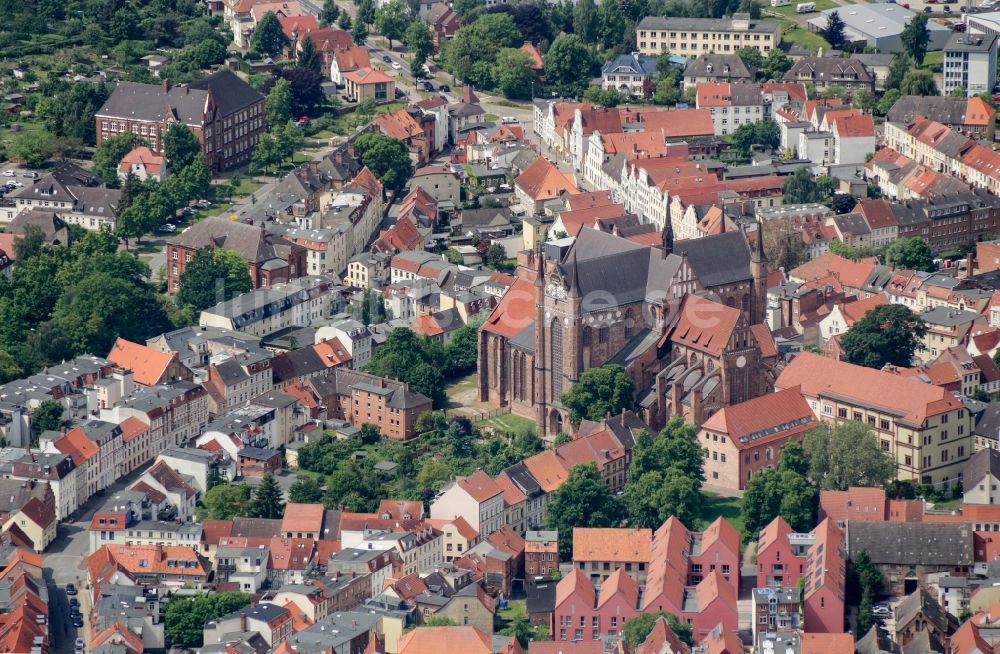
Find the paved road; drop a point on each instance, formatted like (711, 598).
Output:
(65, 562)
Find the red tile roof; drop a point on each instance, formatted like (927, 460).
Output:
(480, 486)
(855, 503)
(705, 325)
(611, 544)
(306, 518)
(819, 376)
(542, 180)
(148, 366)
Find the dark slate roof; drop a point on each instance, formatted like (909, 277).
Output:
(150, 102)
(521, 477)
(635, 64)
(826, 69)
(718, 260)
(296, 364)
(256, 527)
(541, 596)
(946, 110)
(249, 241)
(48, 221)
(912, 543)
(231, 94)
(622, 272)
(920, 601)
(980, 464)
(729, 66)
(875, 641)
(987, 423)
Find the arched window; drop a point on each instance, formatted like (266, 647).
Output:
(769, 454)
(745, 302)
(586, 336)
(602, 335)
(628, 324)
(731, 302)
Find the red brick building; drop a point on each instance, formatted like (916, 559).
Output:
(271, 259)
(223, 111)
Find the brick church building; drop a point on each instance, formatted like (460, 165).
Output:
(685, 321)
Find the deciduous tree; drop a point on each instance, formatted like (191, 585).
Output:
(915, 38)
(308, 57)
(599, 391)
(213, 275)
(388, 158)
(569, 64)
(225, 502)
(583, 500)
(911, 254)
(889, 333)
(846, 455)
(918, 81)
(392, 20)
(180, 146)
(268, 37)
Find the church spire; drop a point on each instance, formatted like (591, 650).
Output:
(758, 255)
(574, 280)
(667, 239)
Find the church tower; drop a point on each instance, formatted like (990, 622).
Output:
(758, 270)
(539, 359)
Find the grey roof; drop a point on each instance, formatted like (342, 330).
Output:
(617, 271)
(633, 64)
(334, 632)
(987, 423)
(982, 463)
(521, 476)
(826, 69)
(876, 59)
(717, 24)
(947, 317)
(852, 223)
(961, 42)
(231, 94)
(912, 543)
(946, 110)
(917, 602)
(718, 260)
(251, 242)
(728, 66)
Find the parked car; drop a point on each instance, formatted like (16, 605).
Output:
(428, 87)
(30, 175)
(167, 228)
(9, 173)
(70, 590)
(444, 88)
(396, 65)
(78, 647)
(78, 621)
(881, 609)
(74, 603)
(928, 9)
(947, 9)
(187, 211)
(387, 59)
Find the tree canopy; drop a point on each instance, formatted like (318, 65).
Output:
(583, 500)
(225, 502)
(910, 254)
(213, 275)
(846, 455)
(268, 37)
(599, 391)
(110, 154)
(665, 477)
(569, 65)
(918, 81)
(834, 30)
(414, 359)
(388, 158)
(267, 502)
(915, 38)
(801, 188)
(889, 333)
(392, 20)
(184, 622)
(180, 146)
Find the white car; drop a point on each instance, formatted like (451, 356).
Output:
(9, 173)
(166, 228)
(881, 609)
(396, 65)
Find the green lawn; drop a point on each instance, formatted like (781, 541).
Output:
(934, 60)
(491, 118)
(726, 507)
(246, 186)
(508, 423)
(809, 40)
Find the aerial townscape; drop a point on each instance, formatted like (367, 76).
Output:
(499, 327)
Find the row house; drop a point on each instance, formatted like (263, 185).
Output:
(261, 312)
(944, 150)
(61, 473)
(732, 104)
(161, 566)
(819, 558)
(746, 195)
(901, 178)
(582, 613)
(174, 414)
(234, 380)
(86, 459)
(477, 498)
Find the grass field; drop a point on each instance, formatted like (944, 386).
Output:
(726, 507)
(508, 423)
(809, 40)
(934, 61)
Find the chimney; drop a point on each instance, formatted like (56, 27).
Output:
(243, 622)
(186, 89)
(166, 86)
